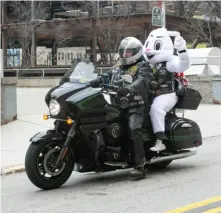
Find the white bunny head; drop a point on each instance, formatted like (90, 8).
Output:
(159, 47)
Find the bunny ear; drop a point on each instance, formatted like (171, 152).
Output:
(173, 39)
(173, 33)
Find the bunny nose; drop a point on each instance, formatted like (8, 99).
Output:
(147, 49)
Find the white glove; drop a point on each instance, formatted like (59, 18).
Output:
(179, 43)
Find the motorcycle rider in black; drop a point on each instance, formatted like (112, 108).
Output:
(132, 62)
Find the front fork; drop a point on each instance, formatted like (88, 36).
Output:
(67, 142)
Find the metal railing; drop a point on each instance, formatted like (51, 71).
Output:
(53, 72)
(43, 72)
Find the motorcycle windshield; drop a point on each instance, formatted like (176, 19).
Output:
(82, 72)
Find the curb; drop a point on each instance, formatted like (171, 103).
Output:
(12, 169)
(6, 121)
(216, 101)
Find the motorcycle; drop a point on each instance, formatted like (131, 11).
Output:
(90, 131)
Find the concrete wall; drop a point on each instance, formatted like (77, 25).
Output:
(217, 88)
(8, 100)
(209, 87)
(38, 82)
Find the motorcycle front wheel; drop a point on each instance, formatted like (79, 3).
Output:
(40, 165)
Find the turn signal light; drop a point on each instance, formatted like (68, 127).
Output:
(69, 121)
(45, 117)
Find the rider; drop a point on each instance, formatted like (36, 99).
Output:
(132, 62)
(159, 49)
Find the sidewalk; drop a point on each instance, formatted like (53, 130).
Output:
(15, 135)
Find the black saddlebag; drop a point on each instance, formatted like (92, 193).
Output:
(189, 100)
(184, 134)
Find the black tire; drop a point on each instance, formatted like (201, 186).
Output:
(161, 165)
(32, 169)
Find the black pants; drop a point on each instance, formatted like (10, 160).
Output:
(136, 116)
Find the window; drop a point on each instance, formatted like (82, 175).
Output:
(58, 56)
(71, 55)
(68, 56)
(62, 56)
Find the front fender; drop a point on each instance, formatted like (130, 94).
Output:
(47, 135)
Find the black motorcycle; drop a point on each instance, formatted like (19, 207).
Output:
(90, 132)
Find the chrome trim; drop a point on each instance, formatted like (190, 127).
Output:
(172, 157)
(186, 125)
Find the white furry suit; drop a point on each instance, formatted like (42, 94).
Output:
(159, 48)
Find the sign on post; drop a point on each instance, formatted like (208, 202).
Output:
(157, 17)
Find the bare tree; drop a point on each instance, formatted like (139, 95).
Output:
(205, 28)
(22, 11)
(112, 24)
(109, 27)
(78, 8)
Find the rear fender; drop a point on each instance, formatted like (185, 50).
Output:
(47, 135)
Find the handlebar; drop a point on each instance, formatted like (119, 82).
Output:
(125, 102)
(112, 87)
(105, 86)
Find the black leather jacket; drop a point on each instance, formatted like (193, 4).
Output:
(142, 75)
(163, 80)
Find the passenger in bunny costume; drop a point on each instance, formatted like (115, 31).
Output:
(159, 50)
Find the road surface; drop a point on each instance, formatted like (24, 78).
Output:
(184, 182)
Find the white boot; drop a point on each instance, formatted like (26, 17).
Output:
(159, 146)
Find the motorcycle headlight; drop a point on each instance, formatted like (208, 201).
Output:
(54, 107)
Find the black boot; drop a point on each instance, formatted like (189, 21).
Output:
(139, 170)
(138, 173)
(161, 136)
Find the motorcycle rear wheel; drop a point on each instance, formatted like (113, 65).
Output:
(39, 161)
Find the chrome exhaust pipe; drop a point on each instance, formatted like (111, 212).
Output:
(156, 160)
(117, 164)
(172, 157)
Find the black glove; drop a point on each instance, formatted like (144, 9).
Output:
(96, 83)
(122, 92)
(154, 85)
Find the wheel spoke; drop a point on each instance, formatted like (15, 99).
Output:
(41, 168)
(46, 160)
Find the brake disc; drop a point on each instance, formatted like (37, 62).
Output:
(46, 164)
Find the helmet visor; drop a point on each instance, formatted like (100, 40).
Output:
(126, 53)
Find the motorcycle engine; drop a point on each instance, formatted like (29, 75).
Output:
(114, 132)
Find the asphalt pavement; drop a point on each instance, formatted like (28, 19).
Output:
(184, 182)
